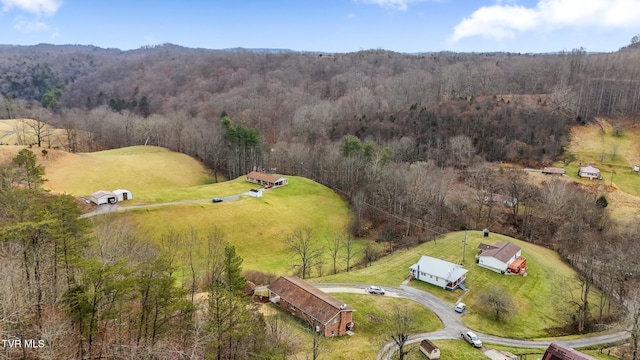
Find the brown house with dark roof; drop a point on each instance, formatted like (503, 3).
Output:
(556, 351)
(265, 179)
(501, 257)
(327, 314)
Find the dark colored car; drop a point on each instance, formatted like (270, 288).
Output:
(216, 200)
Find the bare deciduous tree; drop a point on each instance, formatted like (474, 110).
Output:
(349, 246)
(307, 250)
(498, 302)
(335, 245)
(399, 325)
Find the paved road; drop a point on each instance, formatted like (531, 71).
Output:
(453, 324)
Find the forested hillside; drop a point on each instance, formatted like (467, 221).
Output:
(417, 143)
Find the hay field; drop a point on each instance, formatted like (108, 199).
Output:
(144, 170)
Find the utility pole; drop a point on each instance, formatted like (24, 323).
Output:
(464, 248)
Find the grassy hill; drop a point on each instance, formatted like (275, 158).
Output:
(257, 227)
(145, 170)
(540, 297)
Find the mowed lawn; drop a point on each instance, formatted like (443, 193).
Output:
(539, 297)
(370, 332)
(257, 227)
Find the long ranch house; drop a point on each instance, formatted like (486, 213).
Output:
(326, 314)
(265, 179)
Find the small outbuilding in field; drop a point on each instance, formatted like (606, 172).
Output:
(429, 349)
(103, 197)
(589, 172)
(122, 194)
(255, 193)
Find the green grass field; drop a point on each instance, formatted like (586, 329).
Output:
(257, 227)
(550, 281)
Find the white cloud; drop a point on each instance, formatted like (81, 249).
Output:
(400, 5)
(25, 25)
(506, 20)
(37, 7)
(29, 26)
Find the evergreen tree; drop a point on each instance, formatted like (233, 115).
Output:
(30, 173)
(233, 269)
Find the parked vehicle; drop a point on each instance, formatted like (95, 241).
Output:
(216, 200)
(460, 307)
(375, 290)
(471, 338)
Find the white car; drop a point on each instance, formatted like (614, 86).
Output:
(471, 338)
(460, 307)
(375, 290)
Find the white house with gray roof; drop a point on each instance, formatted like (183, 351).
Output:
(438, 272)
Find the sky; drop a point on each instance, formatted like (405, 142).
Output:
(333, 26)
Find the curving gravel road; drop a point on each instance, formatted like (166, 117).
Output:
(453, 325)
